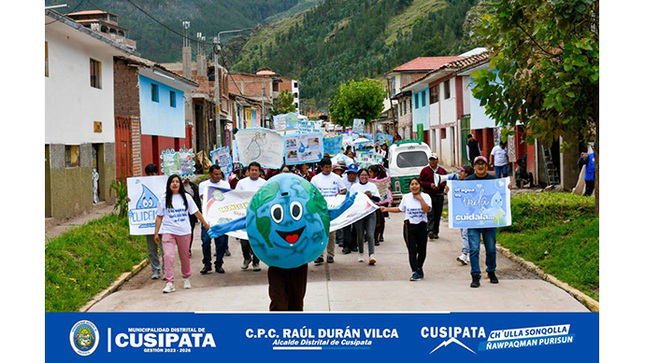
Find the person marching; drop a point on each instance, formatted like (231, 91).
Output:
(221, 243)
(251, 183)
(416, 206)
(365, 227)
(173, 223)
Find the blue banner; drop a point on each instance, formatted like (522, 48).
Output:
(321, 337)
(479, 203)
(333, 145)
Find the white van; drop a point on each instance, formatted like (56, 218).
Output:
(406, 160)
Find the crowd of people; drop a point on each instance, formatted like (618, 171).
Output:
(423, 205)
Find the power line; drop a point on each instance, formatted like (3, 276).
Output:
(73, 10)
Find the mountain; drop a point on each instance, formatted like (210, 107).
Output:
(340, 40)
(158, 31)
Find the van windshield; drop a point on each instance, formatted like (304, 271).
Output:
(411, 159)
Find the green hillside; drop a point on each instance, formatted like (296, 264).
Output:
(156, 42)
(339, 40)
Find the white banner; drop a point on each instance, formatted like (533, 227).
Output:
(145, 193)
(262, 145)
(221, 206)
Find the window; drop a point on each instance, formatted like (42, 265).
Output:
(95, 73)
(72, 156)
(295, 95)
(434, 94)
(173, 99)
(446, 89)
(416, 100)
(295, 84)
(155, 92)
(405, 107)
(46, 60)
(423, 98)
(411, 159)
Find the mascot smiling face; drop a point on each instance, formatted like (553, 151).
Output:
(287, 222)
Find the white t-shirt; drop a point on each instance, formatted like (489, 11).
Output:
(412, 208)
(175, 220)
(367, 187)
(203, 186)
(328, 185)
(499, 155)
(250, 185)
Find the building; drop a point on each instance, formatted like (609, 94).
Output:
(79, 116)
(104, 23)
(150, 113)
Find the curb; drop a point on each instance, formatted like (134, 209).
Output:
(587, 301)
(115, 285)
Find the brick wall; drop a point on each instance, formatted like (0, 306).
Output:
(135, 127)
(126, 90)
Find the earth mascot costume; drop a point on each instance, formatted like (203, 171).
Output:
(287, 222)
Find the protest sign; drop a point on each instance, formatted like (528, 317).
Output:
(285, 121)
(261, 145)
(358, 125)
(144, 193)
(333, 144)
(222, 157)
(306, 127)
(366, 158)
(361, 207)
(180, 162)
(303, 148)
(482, 203)
(384, 187)
(384, 138)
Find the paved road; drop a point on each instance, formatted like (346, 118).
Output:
(350, 286)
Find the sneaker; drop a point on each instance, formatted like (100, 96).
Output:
(155, 276)
(377, 243)
(361, 258)
(170, 287)
(206, 269)
(346, 251)
(219, 270)
(319, 260)
(354, 249)
(227, 253)
(245, 264)
(330, 259)
(372, 260)
(187, 284)
(420, 273)
(492, 277)
(256, 266)
(415, 276)
(463, 258)
(475, 282)
(430, 235)
(436, 236)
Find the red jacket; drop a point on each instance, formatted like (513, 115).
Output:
(427, 177)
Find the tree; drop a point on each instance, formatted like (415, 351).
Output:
(283, 103)
(357, 100)
(545, 68)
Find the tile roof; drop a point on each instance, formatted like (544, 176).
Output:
(425, 63)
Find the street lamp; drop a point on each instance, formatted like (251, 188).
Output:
(218, 126)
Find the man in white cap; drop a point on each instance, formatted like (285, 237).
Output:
(430, 182)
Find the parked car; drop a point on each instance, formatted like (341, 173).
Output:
(406, 160)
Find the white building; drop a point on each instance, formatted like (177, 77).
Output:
(79, 116)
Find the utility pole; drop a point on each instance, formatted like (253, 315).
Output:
(218, 48)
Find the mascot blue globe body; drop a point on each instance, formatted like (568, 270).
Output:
(287, 222)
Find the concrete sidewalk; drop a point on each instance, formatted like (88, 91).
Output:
(350, 286)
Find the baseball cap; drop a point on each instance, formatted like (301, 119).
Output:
(467, 169)
(337, 167)
(352, 168)
(433, 156)
(480, 158)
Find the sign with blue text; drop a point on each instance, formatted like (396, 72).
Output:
(144, 193)
(482, 203)
(316, 337)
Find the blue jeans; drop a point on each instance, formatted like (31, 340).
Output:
(475, 235)
(501, 171)
(221, 244)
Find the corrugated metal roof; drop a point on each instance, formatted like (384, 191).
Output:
(425, 63)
